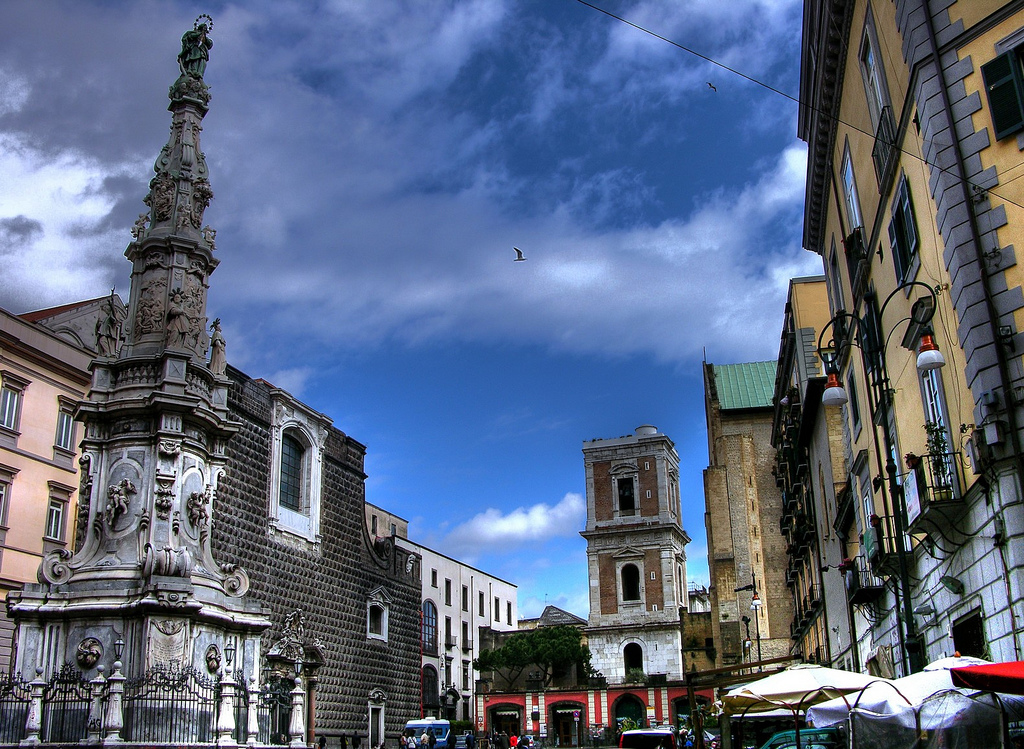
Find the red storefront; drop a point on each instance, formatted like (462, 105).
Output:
(578, 717)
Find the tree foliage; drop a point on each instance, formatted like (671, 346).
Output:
(550, 649)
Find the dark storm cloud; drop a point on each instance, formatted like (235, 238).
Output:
(17, 232)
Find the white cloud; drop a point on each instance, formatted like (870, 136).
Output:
(495, 529)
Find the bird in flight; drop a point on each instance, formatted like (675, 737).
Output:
(711, 86)
(519, 255)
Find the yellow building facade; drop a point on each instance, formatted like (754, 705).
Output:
(42, 378)
(913, 112)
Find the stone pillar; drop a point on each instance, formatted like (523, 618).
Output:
(95, 735)
(253, 717)
(226, 713)
(297, 726)
(34, 721)
(115, 707)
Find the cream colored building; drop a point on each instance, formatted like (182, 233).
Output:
(913, 112)
(44, 373)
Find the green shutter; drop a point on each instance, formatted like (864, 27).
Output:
(1005, 91)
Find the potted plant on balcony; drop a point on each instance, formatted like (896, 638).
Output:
(939, 461)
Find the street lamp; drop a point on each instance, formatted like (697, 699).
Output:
(755, 606)
(865, 332)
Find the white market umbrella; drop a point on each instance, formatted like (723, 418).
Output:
(795, 689)
(892, 696)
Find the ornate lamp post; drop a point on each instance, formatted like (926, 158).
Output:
(866, 333)
(755, 606)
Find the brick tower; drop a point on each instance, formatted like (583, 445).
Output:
(636, 554)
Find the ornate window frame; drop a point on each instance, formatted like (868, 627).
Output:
(12, 400)
(378, 604)
(310, 428)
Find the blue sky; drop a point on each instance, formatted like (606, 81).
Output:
(373, 164)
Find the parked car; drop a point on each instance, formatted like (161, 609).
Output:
(810, 738)
(648, 738)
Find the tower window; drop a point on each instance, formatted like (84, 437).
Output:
(627, 499)
(630, 583)
(291, 473)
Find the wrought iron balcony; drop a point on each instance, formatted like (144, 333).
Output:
(881, 542)
(861, 585)
(933, 496)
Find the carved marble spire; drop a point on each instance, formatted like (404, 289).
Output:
(172, 252)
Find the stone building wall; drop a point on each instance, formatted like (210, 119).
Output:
(329, 582)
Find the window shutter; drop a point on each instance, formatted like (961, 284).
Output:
(909, 221)
(1005, 91)
(897, 254)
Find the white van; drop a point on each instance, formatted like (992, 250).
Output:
(432, 726)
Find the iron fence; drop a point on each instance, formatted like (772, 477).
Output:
(66, 700)
(274, 712)
(15, 700)
(170, 705)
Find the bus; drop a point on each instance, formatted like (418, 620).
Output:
(432, 726)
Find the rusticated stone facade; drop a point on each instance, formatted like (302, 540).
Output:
(330, 579)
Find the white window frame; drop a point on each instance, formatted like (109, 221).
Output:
(55, 512)
(12, 396)
(876, 89)
(851, 197)
(65, 437)
(290, 416)
(378, 600)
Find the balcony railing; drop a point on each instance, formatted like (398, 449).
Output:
(884, 153)
(450, 641)
(467, 644)
(881, 542)
(861, 585)
(932, 492)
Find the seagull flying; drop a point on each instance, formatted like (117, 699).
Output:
(519, 254)
(711, 86)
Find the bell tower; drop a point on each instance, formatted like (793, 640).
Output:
(636, 555)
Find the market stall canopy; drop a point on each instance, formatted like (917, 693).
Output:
(795, 689)
(1007, 678)
(888, 697)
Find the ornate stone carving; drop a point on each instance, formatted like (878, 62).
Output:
(179, 323)
(210, 235)
(161, 196)
(218, 357)
(55, 568)
(139, 227)
(169, 448)
(195, 48)
(195, 506)
(236, 580)
(202, 194)
(119, 497)
(169, 627)
(151, 307)
(84, 499)
(164, 499)
(89, 653)
(172, 598)
(168, 561)
(213, 659)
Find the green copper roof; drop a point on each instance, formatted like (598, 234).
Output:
(749, 385)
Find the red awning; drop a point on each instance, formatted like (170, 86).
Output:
(993, 677)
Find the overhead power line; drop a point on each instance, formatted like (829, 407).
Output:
(796, 100)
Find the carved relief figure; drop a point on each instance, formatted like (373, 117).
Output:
(213, 659)
(161, 196)
(84, 499)
(210, 235)
(196, 508)
(118, 500)
(108, 329)
(150, 311)
(202, 194)
(139, 227)
(178, 321)
(218, 358)
(89, 653)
